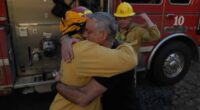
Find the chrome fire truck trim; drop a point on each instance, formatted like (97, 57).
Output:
(146, 49)
(2, 18)
(4, 62)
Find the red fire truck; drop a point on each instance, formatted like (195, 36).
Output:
(29, 49)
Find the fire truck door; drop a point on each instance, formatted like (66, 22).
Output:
(181, 16)
(5, 71)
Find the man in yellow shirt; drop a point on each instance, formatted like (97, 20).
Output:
(91, 60)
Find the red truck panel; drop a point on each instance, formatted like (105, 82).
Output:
(2, 12)
(5, 72)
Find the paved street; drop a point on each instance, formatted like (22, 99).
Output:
(182, 96)
(187, 92)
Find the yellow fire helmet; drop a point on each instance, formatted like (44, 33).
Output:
(74, 20)
(124, 9)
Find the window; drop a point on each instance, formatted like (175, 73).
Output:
(180, 1)
(144, 1)
(94, 5)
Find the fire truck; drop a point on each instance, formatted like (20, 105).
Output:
(29, 45)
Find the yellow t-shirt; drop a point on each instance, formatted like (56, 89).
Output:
(135, 35)
(91, 59)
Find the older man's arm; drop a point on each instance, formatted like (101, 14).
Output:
(81, 95)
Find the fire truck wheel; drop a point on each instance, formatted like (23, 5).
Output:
(171, 63)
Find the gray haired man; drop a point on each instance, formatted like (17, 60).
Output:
(82, 89)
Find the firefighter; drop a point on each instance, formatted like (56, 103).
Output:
(71, 26)
(131, 32)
